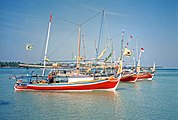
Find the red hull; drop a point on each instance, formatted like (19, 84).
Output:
(142, 76)
(129, 78)
(99, 85)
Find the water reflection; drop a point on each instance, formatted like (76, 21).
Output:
(75, 96)
(77, 105)
(88, 105)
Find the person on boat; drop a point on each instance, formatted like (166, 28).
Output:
(50, 78)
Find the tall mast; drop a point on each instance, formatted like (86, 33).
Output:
(121, 57)
(84, 53)
(46, 48)
(122, 45)
(138, 64)
(78, 57)
(97, 50)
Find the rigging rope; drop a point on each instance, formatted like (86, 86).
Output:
(75, 29)
(106, 27)
(63, 42)
(90, 18)
(97, 50)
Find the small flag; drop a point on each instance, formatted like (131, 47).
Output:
(127, 43)
(47, 60)
(51, 17)
(127, 52)
(141, 49)
(29, 47)
(107, 58)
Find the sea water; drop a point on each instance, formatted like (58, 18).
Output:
(144, 100)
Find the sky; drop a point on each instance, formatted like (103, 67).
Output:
(152, 23)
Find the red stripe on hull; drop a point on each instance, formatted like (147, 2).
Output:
(129, 78)
(144, 76)
(91, 86)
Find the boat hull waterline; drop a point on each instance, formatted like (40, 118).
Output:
(108, 85)
(144, 76)
(129, 78)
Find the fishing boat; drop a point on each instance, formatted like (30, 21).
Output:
(54, 82)
(109, 84)
(144, 75)
(69, 83)
(126, 76)
(129, 78)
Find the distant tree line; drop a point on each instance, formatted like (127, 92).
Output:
(9, 64)
(15, 64)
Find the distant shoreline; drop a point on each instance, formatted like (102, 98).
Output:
(39, 68)
(8, 65)
(13, 64)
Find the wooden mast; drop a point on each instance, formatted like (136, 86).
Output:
(78, 57)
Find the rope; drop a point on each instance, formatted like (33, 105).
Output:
(107, 27)
(63, 42)
(90, 18)
(74, 30)
(100, 34)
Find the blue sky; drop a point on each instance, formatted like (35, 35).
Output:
(152, 23)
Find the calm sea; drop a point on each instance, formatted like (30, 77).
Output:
(145, 100)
